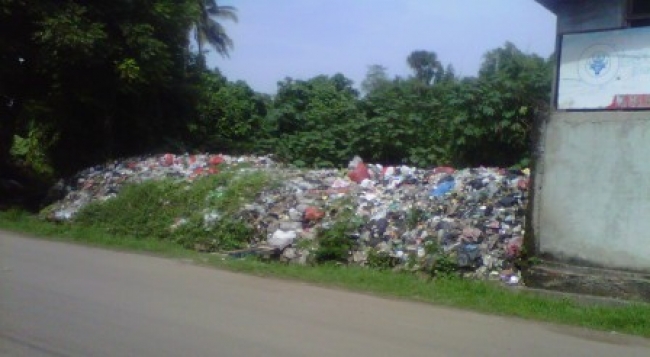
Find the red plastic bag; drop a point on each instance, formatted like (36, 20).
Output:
(523, 184)
(444, 169)
(314, 214)
(513, 247)
(168, 159)
(216, 160)
(360, 173)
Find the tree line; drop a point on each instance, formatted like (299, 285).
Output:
(83, 81)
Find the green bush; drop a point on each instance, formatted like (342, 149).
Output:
(444, 266)
(199, 215)
(380, 260)
(140, 210)
(334, 243)
(229, 115)
(439, 264)
(415, 216)
(32, 149)
(226, 234)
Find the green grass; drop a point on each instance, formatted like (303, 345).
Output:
(150, 209)
(473, 295)
(21, 222)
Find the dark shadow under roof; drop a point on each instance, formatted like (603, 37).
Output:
(552, 5)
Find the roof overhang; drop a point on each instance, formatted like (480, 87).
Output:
(552, 5)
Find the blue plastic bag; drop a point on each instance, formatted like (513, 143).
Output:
(443, 188)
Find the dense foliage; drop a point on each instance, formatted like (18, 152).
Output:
(95, 80)
(82, 82)
(431, 118)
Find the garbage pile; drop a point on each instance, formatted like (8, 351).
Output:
(475, 215)
(103, 182)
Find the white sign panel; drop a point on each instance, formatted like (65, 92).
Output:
(605, 70)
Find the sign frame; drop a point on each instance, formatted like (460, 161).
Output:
(597, 65)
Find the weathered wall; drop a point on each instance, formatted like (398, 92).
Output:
(592, 186)
(593, 197)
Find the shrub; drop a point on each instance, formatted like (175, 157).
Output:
(226, 234)
(334, 244)
(380, 260)
(439, 264)
(200, 215)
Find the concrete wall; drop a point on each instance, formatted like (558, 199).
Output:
(593, 196)
(591, 201)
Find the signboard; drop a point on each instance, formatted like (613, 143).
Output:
(605, 70)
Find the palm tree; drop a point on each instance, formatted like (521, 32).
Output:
(210, 31)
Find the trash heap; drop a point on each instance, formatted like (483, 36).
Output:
(474, 215)
(103, 182)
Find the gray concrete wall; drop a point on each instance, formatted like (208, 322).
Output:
(593, 195)
(591, 201)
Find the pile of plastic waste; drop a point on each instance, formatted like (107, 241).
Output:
(476, 215)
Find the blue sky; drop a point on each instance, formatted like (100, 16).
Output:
(304, 38)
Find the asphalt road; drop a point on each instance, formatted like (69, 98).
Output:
(66, 300)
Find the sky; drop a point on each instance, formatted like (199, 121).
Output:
(301, 39)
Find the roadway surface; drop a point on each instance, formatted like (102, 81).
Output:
(59, 299)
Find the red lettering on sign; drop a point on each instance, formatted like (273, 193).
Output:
(629, 101)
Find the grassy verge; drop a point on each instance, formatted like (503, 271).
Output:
(478, 296)
(21, 222)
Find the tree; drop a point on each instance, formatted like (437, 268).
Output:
(497, 110)
(208, 29)
(229, 115)
(85, 76)
(17, 78)
(426, 66)
(376, 78)
(503, 60)
(449, 74)
(312, 121)
(401, 121)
